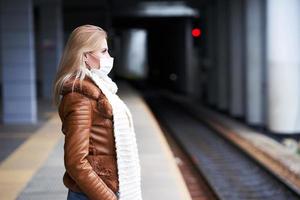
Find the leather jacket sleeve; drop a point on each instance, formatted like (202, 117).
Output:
(77, 119)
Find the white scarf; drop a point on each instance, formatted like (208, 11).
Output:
(129, 171)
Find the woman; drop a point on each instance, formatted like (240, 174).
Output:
(100, 150)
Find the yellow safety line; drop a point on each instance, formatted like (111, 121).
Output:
(17, 169)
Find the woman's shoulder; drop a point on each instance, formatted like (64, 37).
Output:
(75, 95)
(88, 88)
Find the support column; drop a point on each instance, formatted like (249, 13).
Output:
(255, 60)
(222, 55)
(283, 66)
(51, 42)
(134, 47)
(18, 65)
(236, 59)
(212, 68)
(193, 80)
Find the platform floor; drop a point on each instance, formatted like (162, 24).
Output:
(34, 169)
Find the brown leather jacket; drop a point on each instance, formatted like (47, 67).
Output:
(89, 148)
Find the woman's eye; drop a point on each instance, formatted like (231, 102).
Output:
(104, 50)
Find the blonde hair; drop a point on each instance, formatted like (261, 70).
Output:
(83, 39)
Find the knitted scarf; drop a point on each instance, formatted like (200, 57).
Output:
(126, 146)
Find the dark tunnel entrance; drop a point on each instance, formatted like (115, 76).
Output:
(169, 47)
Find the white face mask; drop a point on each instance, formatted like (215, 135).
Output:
(106, 65)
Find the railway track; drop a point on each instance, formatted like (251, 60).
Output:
(195, 181)
(230, 173)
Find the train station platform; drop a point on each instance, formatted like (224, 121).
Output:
(33, 167)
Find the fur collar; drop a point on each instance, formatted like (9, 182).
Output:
(89, 88)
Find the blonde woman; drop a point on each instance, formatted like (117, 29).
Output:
(100, 150)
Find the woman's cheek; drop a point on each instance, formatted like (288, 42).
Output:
(94, 62)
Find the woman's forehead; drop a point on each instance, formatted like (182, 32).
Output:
(103, 43)
(102, 47)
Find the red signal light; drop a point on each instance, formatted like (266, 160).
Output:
(196, 32)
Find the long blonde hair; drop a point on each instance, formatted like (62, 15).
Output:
(83, 39)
